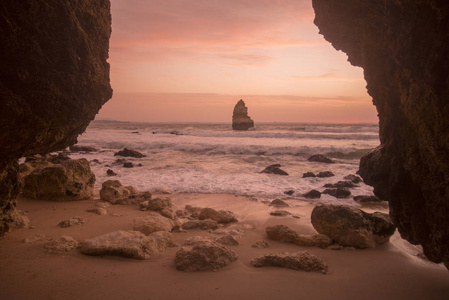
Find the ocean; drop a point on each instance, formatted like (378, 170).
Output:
(212, 158)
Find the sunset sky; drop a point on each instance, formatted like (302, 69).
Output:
(192, 60)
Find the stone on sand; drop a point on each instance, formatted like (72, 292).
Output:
(72, 221)
(153, 222)
(221, 216)
(61, 245)
(297, 261)
(285, 234)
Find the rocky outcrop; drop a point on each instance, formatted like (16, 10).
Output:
(204, 256)
(132, 244)
(403, 48)
(240, 118)
(352, 227)
(301, 261)
(71, 180)
(54, 77)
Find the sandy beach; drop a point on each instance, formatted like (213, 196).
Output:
(391, 271)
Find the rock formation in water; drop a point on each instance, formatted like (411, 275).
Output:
(403, 47)
(54, 78)
(240, 118)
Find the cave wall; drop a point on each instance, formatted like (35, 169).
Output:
(403, 47)
(54, 77)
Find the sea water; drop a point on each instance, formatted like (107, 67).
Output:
(212, 158)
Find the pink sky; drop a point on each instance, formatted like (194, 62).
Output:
(192, 60)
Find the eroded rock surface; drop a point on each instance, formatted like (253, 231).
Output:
(403, 48)
(303, 261)
(54, 59)
(285, 234)
(352, 227)
(240, 118)
(153, 222)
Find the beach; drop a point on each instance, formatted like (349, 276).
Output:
(389, 271)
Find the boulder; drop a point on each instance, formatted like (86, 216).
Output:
(352, 227)
(340, 184)
(280, 213)
(240, 118)
(289, 192)
(320, 158)
(227, 240)
(128, 164)
(61, 245)
(129, 153)
(110, 172)
(308, 174)
(279, 203)
(302, 261)
(71, 180)
(205, 224)
(274, 169)
(204, 256)
(325, 174)
(339, 193)
(260, 244)
(114, 192)
(72, 222)
(153, 222)
(353, 178)
(156, 204)
(132, 244)
(284, 234)
(313, 194)
(221, 216)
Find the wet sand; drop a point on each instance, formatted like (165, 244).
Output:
(391, 271)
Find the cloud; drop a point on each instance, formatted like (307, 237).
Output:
(172, 28)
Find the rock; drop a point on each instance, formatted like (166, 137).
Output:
(129, 153)
(19, 219)
(320, 158)
(325, 174)
(128, 164)
(410, 169)
(240, 118)
(339, 193)
(280, 213)
(114, 192)
(313, 194)
(40, 110)
(81, 148)
(71, 180)
(289, 192)
(297, 261)
(308, 174)
(260, 244)
(274, 169)
(152, 223)
(352, 227)
(221, 216)
(340, 184)
(72, 221)
(61, 245)
(367, 199)
(353, 178)
(168, 213)
(193, 240)
(132, 244)
(98, 210)
(284, 234)
(204, 256)
(228, 240)
(110, 172)
(156, 204)
(279, 203)
(205, 224)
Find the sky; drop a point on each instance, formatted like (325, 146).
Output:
(192, 60)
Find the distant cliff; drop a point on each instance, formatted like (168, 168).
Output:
(403, 47)
(54, 77)
(240, 118)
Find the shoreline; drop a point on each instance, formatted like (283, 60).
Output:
(390, 271)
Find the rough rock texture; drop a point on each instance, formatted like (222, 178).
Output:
(204, 256)
(284, 234)
(320, 158)
(352, 227)
(338, 193)
(221, 216)
(313, 194)
(114, 192)
(403, 49)
(129, 153)
(297, 261)
(132, 244)
(153, 222)
(72, 221)
(71, 180)
(205, 224)
(240, 118)
(61, 245)
(54, 78)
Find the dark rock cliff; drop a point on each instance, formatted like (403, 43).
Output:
(403, 47)
(240, 118)
(54, 77)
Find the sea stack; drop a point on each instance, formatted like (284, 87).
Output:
(240, 118)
